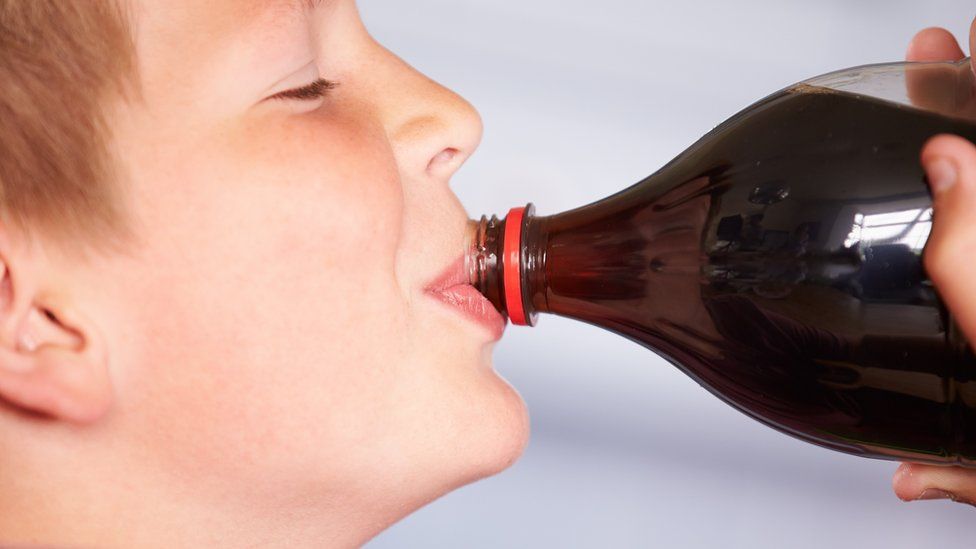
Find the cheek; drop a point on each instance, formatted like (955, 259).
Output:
(268, 298)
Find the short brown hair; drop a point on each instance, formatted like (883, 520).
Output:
(61, 62)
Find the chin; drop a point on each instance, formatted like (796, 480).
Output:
(478, 439)
(471, 424)
(502, 434)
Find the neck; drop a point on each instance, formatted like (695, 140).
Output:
(104, 503)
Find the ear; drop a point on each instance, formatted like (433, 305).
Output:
(52, 358)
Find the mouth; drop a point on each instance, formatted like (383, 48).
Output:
(451, 287)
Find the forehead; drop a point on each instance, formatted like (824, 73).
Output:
(188, 32)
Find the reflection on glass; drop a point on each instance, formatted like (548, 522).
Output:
(908, 227)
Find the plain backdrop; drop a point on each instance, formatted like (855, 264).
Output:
(581, 99)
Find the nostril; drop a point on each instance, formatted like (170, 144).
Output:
(441, 158)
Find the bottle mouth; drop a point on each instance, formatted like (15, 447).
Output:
(498, 259)
(512, 266)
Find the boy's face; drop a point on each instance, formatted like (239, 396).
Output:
(273, 341)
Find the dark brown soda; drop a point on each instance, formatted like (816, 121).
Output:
(778, 262)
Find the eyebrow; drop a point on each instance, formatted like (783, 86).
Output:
(269, 16)
(305, 4)
(274, 10)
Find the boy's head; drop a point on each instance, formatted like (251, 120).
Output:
(212, 311)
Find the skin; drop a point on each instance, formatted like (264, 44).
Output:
(948, 258)
(265, 367)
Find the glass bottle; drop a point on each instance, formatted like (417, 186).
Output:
(777, 261)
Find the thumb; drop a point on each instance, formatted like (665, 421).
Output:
(950, 254)
(914, 481)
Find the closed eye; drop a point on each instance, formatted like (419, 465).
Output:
(310, 92)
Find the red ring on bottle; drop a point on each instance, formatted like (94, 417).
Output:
(513, 266)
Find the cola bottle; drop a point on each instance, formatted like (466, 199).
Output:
(778, 262)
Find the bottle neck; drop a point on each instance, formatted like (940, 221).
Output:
(505, 261)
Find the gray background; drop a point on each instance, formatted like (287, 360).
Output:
(582, 98)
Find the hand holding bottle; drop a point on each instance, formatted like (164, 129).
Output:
(950, 163)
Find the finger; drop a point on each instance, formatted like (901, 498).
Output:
(950, 253)
(913, 481)
(935, 88)
(972, 44)
(934, 44)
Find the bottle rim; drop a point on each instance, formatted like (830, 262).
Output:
(512, 275)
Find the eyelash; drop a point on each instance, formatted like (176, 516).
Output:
(310, 92)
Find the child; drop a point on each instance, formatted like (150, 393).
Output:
(220, 221)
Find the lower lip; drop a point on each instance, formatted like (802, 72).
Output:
(474, 306)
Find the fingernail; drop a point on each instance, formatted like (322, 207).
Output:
(941, 174)
(935, 493)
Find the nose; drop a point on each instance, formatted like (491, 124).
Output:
(432, 129)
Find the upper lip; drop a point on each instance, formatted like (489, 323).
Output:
(452, 275)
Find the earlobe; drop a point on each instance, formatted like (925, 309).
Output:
(52, 358)
(60, 383)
